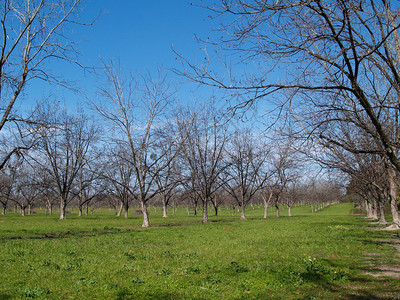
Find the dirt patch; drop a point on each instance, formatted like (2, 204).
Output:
(384, 270)
(392, 271)
(372, 254)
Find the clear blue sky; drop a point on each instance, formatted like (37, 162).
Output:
(139, 33)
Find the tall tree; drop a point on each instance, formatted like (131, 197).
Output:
(344, 52)
(64, 143)
(32, 33)
(245, 164)
(204, 135)
(135, 108)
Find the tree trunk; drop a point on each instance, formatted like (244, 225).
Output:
(121, 207)
(63, 205)
(277, 210)
(375, 210)
(126, 206)
(242, 215)
(265, 211)
(165, 210)
(393, 197)
(145, 215)
(87, 208)
(195, 209)
(205, 212)
(29, 209)
(290, 211)
(3, 212)
(80, 210)
(23, 211)
(382, 219)
(369, 210)
(266, 203)
(216, 210)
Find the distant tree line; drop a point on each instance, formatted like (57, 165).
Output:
(154, 153)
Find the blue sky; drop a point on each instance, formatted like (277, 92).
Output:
(141, 34)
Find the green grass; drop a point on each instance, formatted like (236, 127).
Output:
(307, 256)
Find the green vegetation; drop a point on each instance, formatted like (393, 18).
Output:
(307, 256)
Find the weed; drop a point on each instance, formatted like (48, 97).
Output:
(192, 270)
(164, 271)
(123, 293)
(129, 268)
(213, 279)
(47, 263)
(29, 268)
(71, 252)
(130, 255)
(34, 292)
(315, 270)
(169, 254)
(137, 280)
(236, 267)
(85, 281)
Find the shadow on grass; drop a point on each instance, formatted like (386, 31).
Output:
(5, 296)
(363, 288)
(67, 234)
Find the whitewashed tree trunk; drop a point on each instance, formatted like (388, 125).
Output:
(121, 207)
(205, 212)
(393, 197)
(63, 205)
(242, 212)
(265, 211)
(382, 219)
(374, 210)
(146, 222)
(165, 210)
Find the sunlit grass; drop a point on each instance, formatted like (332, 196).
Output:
(318, 255)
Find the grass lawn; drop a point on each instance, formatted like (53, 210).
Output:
(323, 255)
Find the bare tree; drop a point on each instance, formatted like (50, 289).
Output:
(246, 161)
(7, 183)
(341, 62)
(32, 34)
(27, 189)
(204, 135)
(117, 170)
(136, 108)
(284, 171)
(64, 144)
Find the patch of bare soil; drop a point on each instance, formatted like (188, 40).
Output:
(378, 269)
(392, 271)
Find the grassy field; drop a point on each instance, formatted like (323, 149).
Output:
(324, 255)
